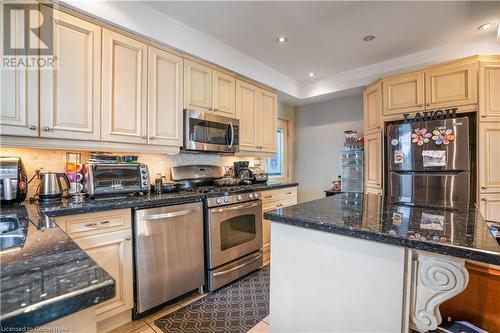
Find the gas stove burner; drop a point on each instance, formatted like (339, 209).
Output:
(220, 189)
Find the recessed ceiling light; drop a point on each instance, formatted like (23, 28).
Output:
(486, 26)
(368, 38)
(281, 39)
(311, 74)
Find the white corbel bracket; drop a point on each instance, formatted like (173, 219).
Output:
(435, 279)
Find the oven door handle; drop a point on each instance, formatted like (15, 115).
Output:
(168, 215)
(243, 206)
(235, 268)
(231, 140)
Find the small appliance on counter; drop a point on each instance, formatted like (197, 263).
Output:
(258, 175)
(115, 179)
(50, 188)
(242, 172)
(13, 180)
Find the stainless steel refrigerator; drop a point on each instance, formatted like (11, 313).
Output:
(429, 163)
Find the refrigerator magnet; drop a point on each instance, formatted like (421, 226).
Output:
(397, 218)
(432, 222)
(434, 158)
(398, 157)
(394, 142)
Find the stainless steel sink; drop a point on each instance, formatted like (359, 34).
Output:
(12, 234)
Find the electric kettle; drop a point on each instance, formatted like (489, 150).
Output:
(50, 188)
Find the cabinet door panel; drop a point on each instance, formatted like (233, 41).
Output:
(246, 111)
(268, 122)
(18, 90)
(224, 94)
(490, 207)
(70, 95)
(197, 86)
(373, 160)
(164, 98)
(450, 86)
(489, 91)
(403, 94)
(489, 157)
(124, 91)
(113, 252)
(372, 100)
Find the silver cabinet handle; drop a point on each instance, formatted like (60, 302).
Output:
(288, 193)
(168, 215)
(268, 196)
(222, 210)
(238, 266)
(32, 127)
(144, 137)
(151, 138)
(128, 238)
(483, 116)
(96, 224)
(46, 129)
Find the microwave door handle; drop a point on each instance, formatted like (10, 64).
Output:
(231, 140)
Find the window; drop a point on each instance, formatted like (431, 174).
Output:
(277, 166)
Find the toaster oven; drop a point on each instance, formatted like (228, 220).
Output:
(115, 179)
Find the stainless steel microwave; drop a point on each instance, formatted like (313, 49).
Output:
(205, 131)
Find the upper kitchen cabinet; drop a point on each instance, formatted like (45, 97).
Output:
(403, 93)
(489, 91)
(373, 160)
(164, 98)
(257, 110)
(70, 93)
(124, 88)
(451, 85)
(19, 91)
(372, 101)
(489, 157)
(223, 94)
(197, 86)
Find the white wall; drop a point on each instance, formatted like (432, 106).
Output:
(319, 138)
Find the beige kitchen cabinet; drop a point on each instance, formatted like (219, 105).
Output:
(70, 95)
(107, 238)
(489, 91)
(373, 160)
(223, 94)
(257, 110)
(451, 85)
(197, 86)
(19, 90)
(490, 206)
(489, 157)
(403, 94)
(124, 88)
(372, 102)
(164, 98)
(271, 200)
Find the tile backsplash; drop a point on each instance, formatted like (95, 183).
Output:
(55, 160)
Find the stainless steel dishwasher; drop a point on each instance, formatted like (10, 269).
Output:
(169, 253)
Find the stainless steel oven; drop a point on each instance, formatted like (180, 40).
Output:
(205, 131)
(234, 237)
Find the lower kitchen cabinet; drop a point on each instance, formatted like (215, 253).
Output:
(270, 201)
(490, 206)
(107, 239)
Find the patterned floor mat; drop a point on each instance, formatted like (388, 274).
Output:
(234, 308)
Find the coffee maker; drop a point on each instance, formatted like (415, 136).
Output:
(13, 180)
(242, 172)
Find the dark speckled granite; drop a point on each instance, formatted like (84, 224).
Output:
(464, 233)
(49, 277)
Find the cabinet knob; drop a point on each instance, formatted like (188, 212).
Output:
(128, 238)
(215, 109)
(484, 187)
(151, 138)
(420, 105)
(483, 116)
(428, 104)
(484, 199)
(46, 129)
(32, 127)
(144, 137)
(210, 109)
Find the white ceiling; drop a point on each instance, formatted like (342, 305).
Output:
(326, 37)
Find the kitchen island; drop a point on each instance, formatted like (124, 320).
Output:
(354, 263)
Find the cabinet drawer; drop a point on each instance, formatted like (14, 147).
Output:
(95, 223)
(269, 205)
(268, 196)
(288, 195)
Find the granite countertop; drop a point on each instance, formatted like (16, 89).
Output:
(461, 233)
(49, 277)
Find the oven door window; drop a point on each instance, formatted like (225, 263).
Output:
(237, 230)
(116, 177)
(210, 132)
